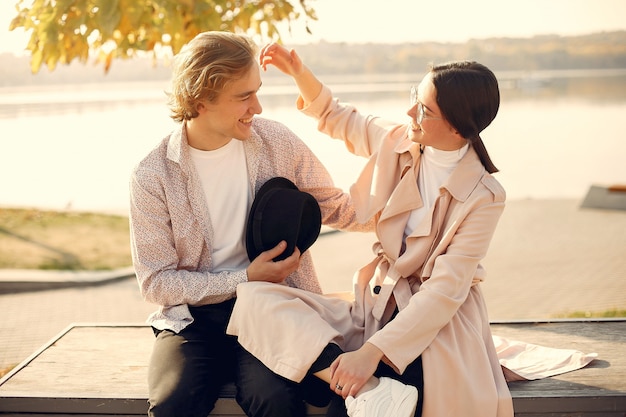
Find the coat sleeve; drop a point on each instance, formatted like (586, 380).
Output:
(362, 134)
(337, 206)
(454, 267)
(311, 176)
(365, 136)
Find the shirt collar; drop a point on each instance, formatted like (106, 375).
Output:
(463, 179)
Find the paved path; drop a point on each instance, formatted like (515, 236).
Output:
(547, 258)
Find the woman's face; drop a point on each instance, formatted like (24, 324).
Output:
(433, 130)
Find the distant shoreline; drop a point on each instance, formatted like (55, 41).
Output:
(539, 53)
(155, 90)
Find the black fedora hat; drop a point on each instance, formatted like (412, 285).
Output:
(282, 212)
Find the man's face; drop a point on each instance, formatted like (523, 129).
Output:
(230, 115)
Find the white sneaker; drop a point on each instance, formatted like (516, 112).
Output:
(390, 398)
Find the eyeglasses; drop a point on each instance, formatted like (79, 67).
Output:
(421, 110)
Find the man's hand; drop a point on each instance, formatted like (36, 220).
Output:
(263, 268)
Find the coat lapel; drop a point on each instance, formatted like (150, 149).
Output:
(379, 178)
(404, 199)
(466, 176)
(423, 240)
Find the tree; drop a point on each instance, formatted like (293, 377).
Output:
(67, 30)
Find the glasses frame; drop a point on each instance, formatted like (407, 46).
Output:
(421, 109)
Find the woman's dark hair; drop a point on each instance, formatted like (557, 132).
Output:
(468, 97)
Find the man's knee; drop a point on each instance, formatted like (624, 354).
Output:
(170, 404)
(174, 401)
(176, 383)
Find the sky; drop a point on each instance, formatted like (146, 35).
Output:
(397, 21)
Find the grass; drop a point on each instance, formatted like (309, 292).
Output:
(611, 313)
(39, 239)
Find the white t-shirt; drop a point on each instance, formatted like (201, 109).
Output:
(224, 176)
(435, 167)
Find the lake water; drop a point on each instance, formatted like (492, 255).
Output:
(73, 147)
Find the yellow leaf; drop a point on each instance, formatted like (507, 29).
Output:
(35, 61)
(108, 61)
(64, 30)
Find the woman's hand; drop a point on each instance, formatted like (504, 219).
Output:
(290, 63)
(285, 60)
(352, 370)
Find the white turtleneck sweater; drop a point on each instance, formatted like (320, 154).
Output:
(435, 167)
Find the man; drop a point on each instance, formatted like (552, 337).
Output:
(190, 198)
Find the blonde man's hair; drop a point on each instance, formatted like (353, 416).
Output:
(204, 67)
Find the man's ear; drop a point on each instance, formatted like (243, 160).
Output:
(200, 107)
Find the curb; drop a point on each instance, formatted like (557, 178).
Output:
(28, 280)
(25, 280)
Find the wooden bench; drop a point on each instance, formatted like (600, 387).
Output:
(100, 370)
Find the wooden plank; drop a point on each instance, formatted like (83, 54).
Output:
(74, 374)
(90, 362)
(598, 389)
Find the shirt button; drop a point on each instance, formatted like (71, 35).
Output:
(377, 289)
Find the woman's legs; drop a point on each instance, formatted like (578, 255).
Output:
(413, 375)
(262, 393)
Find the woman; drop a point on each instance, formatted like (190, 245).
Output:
(419, 315)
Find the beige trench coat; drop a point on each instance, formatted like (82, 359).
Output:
(434, 279)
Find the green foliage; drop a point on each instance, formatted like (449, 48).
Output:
(610, 313)
(43, 239)
(67, 30)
